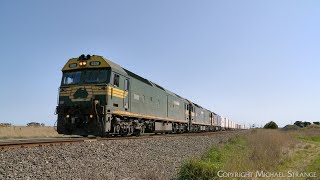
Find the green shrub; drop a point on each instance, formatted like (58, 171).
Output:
(302, 124)
(271, 125)
(198, 169)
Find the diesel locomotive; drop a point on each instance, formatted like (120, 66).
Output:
(98, 97)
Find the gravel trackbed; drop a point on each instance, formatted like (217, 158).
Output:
(150, 158)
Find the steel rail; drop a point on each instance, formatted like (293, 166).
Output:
(26, 143)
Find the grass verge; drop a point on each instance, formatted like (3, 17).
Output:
(311, 137)
(256, 151)
(214, 160)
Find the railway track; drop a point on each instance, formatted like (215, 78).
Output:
(42, 142)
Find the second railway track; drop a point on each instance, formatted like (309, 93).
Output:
(41, 142)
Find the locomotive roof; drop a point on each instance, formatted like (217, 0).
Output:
(72, 64)
(105, 63)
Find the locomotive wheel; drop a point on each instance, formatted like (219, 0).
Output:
(136, 132)
(123, 133)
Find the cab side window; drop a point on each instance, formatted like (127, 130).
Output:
(126, 85)
(116, 80)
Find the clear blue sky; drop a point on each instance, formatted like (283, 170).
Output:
(252, 61)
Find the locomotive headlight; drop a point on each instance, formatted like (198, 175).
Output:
(96, 101)
(82, 63)
(67, 116)
(91, 116)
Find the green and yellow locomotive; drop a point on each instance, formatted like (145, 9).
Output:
(98, 97)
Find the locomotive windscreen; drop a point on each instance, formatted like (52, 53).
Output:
(87, 76)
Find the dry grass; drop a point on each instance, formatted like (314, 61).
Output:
(256, 150)
(27, 132)
(260, 150)
(310, 131)
(264, 149)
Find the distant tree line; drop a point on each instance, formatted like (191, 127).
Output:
(273, 125)
(36, 124)
(305, 123)
(5, 124)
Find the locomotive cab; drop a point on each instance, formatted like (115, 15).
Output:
(87, 84)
